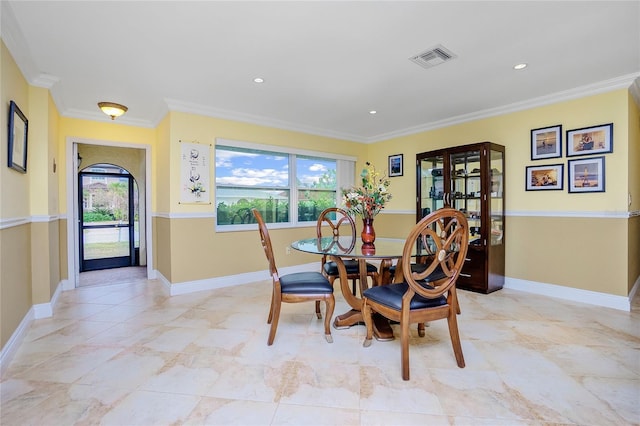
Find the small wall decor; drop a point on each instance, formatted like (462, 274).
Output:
(586, 175)
(590, 140)
(546, 142)
(18, 131)
(548, 177)
(194, 173)
(395, 165)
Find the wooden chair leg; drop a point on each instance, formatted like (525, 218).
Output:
(274, 321)
(330, 303)
(421, 329)
(318, 313)
(455, 297)
(273, 299)
(368, 322)
(404, 343)
(455, 338)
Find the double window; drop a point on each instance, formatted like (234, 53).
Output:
(287, 186)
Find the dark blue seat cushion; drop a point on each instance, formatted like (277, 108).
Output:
(436, 275)
(305, 283)
(351, 266)
(391, 295)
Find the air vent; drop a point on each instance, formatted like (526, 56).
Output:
(435, 56)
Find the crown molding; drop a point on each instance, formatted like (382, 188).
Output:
(634, 90)
(622, 82)
(15, 42)
(193, 108)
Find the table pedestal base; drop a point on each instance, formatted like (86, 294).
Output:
(381, 328)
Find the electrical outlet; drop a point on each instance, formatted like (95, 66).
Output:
(287, 250)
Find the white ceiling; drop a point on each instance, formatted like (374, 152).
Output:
(325, 64)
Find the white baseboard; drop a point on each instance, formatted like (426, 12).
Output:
(9, 350)
(622, 303)
(41, 310)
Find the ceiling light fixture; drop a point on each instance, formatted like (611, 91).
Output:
(112, 109)
(258, 80)
(520, 66)
(373, 111)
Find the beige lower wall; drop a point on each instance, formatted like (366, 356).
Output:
(54, 257)
(633, 252)
(583, 253)
(191, 250)
(162, 250)
(62, 250)
(15, 276)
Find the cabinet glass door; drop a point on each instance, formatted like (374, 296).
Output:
(432, 187)
(496, 197)
(466, 191)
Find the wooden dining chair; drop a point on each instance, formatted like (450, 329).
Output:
(295, 287)
(332, 219)
(443, 236)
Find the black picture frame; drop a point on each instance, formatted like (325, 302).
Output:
(396, 166)
(18, 138)
(590, 140)
(549, 177)
(586, 175)
(546, 142)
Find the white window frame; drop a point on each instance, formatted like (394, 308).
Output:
(345, 175)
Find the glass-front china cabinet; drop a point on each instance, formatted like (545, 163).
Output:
(469, 178)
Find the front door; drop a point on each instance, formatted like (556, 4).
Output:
(107, 218)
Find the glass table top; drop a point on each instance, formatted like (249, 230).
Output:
(383, 248)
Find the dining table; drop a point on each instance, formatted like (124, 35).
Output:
(341, 248)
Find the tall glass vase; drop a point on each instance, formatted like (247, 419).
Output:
(368, 234)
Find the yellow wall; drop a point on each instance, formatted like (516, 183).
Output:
(192, 250)
(549, 236)
(15, 241)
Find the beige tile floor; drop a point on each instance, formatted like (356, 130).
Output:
(128, 354)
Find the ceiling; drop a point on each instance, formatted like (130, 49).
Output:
(325, 64)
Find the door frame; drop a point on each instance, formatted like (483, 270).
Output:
(73, 240)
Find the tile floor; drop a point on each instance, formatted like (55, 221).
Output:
(128, 354)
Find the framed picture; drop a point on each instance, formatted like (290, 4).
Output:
(395, 165)
(545, 178)
(586, 175)
(18, 126)
(590, 140)
(546, 142)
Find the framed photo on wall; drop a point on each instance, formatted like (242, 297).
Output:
(395, 165)
(586, 175)
(18, 131)
(546, 142)
(590, 140)
(544, 178)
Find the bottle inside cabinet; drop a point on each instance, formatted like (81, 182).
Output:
(469, 178)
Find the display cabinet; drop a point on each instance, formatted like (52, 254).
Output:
(469, 178)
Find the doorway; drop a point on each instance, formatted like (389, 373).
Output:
(120, 163)
(109, 223)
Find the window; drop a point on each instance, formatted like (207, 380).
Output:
(286, 186)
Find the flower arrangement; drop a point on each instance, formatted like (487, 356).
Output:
(367, 200)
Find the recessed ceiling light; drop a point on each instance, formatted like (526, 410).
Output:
(520, 66)
(373, 111)
(258, 80)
